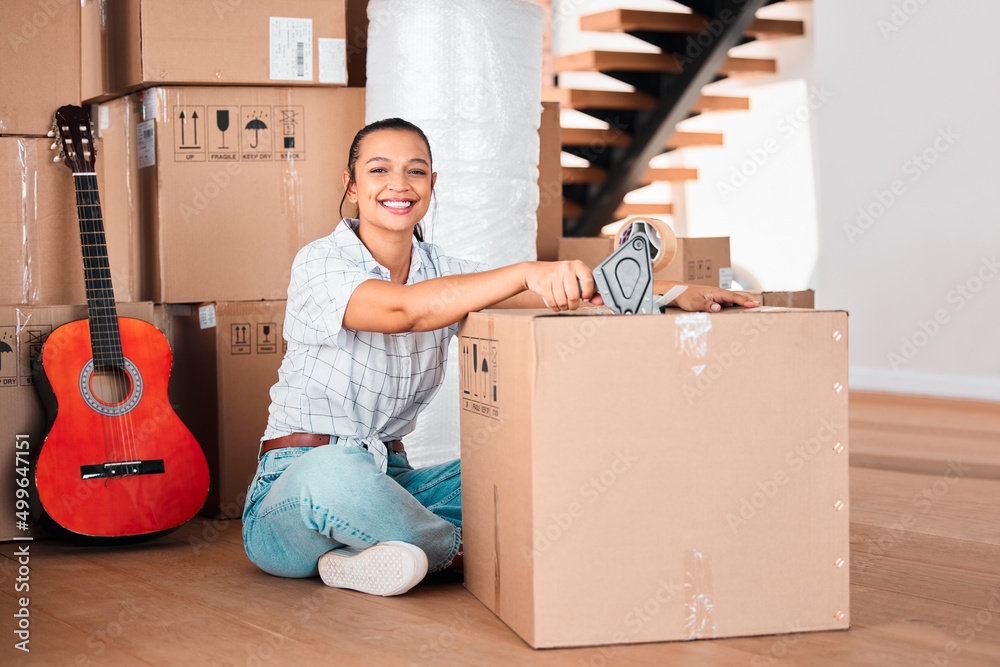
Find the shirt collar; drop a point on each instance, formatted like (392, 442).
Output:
(346, 235)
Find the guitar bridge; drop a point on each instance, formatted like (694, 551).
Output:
(122, 469)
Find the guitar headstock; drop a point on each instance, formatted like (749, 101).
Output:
(74, 139)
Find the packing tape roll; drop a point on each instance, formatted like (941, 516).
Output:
(665, 241)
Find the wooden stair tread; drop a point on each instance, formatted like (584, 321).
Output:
(581, 98)
(721, 103)
(604, 61)
(682, 139)
(628, 209)
(588, 136)
(598, 175)
(573, 210)
(631, 61)
(592, 136)
(669, 174)
(628, 20)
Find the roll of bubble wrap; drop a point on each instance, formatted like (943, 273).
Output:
(468, 74)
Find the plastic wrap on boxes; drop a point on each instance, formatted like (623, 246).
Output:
(469, 75)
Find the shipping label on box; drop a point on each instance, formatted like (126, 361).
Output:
(621, 454)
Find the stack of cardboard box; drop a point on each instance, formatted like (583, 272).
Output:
(221, 132)
(41, 265)
(231, 122)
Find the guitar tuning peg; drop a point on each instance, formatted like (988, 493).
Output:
(56, 159)
(54, 146)
(50, 133)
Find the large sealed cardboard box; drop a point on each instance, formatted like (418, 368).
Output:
(133, 44)
(227, 356)
(232, 182)
(699, 260)
(41, 260)
(23, 330)
(656, 477)
(41, 63)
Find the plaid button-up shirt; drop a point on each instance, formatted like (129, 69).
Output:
(355, 385)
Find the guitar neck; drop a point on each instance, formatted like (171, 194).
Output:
(105, 338)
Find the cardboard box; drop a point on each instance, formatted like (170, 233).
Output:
(23, 329)
(227, 356)
(41, 260)
(799, 299)
(41, 63)
(550, 224)
(699, 261)
(656, 477)
(591, 250)
(226, 211)
(133, 44)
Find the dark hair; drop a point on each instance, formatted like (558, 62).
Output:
(352, 157)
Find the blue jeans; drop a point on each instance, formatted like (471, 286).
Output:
(304, 502)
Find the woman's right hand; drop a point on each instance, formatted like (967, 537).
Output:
(562, 285)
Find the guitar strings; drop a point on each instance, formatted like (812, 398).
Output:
(112, 373)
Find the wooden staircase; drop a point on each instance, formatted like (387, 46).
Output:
(639, 124)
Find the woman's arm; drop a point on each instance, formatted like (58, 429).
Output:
(386, 307)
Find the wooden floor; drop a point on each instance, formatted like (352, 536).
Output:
(925, 571)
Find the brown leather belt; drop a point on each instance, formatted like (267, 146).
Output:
(312, 440)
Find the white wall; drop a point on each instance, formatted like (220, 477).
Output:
(914, 80)
(759, 187)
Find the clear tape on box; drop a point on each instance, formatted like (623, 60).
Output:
(27, 166)
(698, 596)
(469, 75)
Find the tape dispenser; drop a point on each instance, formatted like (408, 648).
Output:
(625, 279)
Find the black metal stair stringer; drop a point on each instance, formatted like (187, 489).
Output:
(673, 106)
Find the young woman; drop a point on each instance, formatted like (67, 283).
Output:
(371, 310)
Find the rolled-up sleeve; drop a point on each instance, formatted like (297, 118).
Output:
(322, 283)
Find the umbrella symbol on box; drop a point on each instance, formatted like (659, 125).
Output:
(256, 125)
(4, 347)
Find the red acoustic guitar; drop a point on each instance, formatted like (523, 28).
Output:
(117, 464)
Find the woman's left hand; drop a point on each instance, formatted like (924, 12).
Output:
(711, 299)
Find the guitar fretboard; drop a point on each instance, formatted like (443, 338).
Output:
(105, 339)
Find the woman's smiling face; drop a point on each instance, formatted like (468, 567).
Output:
(393, 180)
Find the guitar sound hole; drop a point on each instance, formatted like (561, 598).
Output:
(110, 386)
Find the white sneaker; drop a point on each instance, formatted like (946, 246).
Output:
(388, 568)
